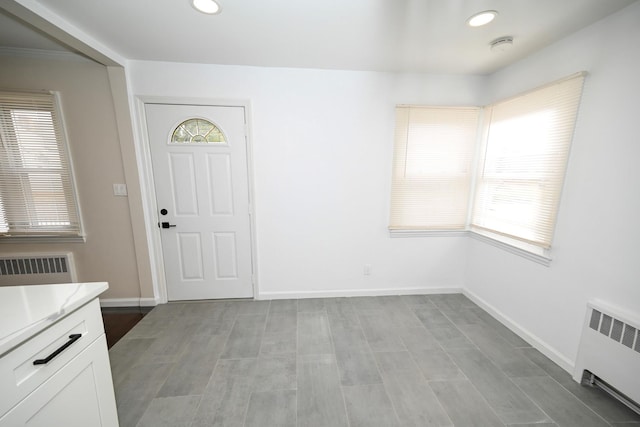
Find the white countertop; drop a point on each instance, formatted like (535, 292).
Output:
(27, 310)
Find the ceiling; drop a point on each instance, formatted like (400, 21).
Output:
(378, 35)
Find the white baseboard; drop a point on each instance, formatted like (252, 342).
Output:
(128, 302)
(337, 293)
(148, 302)
(523, 333)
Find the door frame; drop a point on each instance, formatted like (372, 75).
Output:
(147, 183)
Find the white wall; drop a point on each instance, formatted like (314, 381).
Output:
(595, 251)
(322, 144)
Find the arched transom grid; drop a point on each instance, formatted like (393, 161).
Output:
(197, 131)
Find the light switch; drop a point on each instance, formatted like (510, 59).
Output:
(119, 189)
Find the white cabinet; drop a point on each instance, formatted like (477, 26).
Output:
(78, 395)
(73, 388)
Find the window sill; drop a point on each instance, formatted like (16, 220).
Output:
(43, 239)
(427, 233)
(530, 252)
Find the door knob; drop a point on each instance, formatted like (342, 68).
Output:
(165, 225)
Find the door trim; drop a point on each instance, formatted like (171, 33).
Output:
(149, 203)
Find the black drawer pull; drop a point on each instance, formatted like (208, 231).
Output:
(72, 338)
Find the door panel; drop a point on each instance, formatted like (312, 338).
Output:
(220, 183)
(226, 255)
(183, 183)
(190, 253)
(203, 186)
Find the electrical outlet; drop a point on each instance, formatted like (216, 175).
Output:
(367, 269)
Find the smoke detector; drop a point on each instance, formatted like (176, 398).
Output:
(501, 44)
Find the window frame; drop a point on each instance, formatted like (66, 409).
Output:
(520, 246)
(405, 186)
(75, 231)
(540, 249)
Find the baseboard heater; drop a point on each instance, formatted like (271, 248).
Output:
(37, 269)
(609, 352)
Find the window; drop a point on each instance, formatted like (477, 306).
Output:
(197, 131)
(433, 155)
(524, 148)
(523, 162)
(37, 195)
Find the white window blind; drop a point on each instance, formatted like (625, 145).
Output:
(433, 154)
(37, 196)
(523, 164)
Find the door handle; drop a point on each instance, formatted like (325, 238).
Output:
(165, 225)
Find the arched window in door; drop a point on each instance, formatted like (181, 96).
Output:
(197, 131)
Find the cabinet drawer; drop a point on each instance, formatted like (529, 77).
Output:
(78, 395)
(18, 374)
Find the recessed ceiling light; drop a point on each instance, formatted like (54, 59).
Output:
(482, 18)
(210, 7)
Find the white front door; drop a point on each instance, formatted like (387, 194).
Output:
(199, 156)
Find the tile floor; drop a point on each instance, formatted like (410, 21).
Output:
(436, 360)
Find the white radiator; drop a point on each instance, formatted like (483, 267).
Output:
(610, 350)
(37, 269)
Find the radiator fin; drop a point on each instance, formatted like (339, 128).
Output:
(595, 320)
(605, 326)
(616, 330)
(628, 336)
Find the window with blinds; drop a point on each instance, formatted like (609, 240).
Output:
(432, 164)
(523, 162)
(37, 196)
